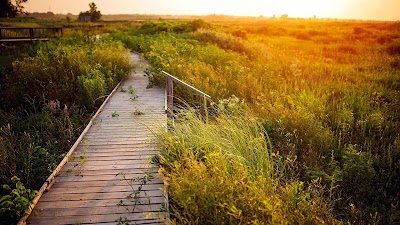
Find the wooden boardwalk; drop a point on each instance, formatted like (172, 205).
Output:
(110, 177)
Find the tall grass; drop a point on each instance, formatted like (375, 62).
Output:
(225, 172)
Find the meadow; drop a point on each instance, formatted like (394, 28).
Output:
(326, 98)
(304, 126)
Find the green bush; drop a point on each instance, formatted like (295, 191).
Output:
(15, 204)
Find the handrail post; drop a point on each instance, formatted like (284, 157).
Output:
(1, 37)
(170, 96)
(203, 108)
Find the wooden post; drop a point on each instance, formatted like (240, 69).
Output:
(170, 97)
(31, 33)
(1, 37)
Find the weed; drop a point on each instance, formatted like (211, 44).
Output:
(137, 112)
(114, 114)
(132, 91)
(123, 221)
(136, 196)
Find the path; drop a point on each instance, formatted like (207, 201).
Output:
(103, 182)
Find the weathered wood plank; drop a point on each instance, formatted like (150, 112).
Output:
(104, 189)
(99, 196)
(134, 218)
(99, 183)
(100, 210)
(98, 203)
(102, 174)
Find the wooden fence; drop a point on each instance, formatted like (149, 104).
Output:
(29, 33)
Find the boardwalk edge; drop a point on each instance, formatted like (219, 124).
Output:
(50, 180)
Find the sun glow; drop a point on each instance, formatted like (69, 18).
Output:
(355, 9)
(294, 8)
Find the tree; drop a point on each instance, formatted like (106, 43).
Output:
(94, 14)
(8, 9)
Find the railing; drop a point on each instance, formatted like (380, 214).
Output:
(169, 95)
(29, 33)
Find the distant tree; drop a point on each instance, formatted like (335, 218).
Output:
(8, 9)
(95, 15)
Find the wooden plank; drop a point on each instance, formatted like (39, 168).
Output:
(87, 166)
(109, 152)
(98, 196)
(126, 161)
(104, 189)
(113, 157)
(99, 183)
(102, 174)
(97, 203)
(100, 210)
(134, 218)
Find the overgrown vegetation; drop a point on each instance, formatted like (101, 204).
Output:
(327, 94)
(227, 173)
(48, 92)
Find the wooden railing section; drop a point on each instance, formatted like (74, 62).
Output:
(29, 33)
(169, 95)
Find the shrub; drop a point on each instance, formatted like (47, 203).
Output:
(224, 41)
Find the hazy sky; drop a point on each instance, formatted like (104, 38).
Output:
(349, 9)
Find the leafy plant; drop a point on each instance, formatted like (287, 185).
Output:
(114, 114)
(15, 204)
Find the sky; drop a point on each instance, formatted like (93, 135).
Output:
(344, 9)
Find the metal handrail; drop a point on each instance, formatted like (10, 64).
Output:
(169, 94)
(186, 85)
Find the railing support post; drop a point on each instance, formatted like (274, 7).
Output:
(170, 97)
(203, 108)
(1, 37)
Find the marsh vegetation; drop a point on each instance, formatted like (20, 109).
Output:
(304, 128)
